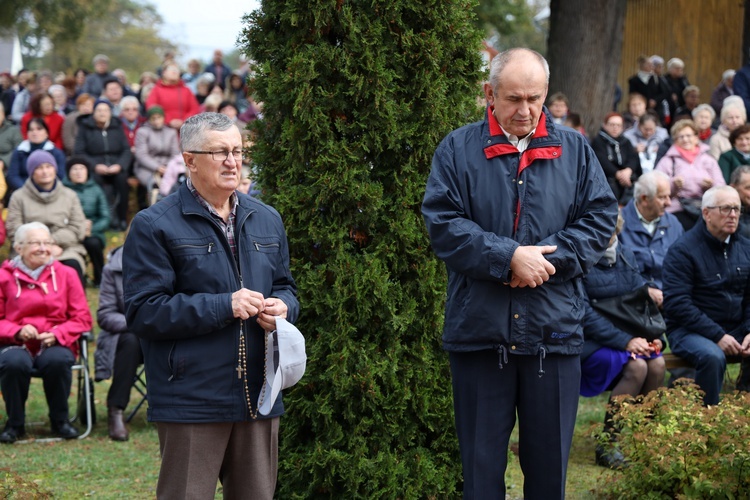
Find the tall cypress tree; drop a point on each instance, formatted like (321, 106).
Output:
(356, 97)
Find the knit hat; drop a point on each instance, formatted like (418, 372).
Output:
(100, 101)
(37, 158)
(155, 110)
(75, 160)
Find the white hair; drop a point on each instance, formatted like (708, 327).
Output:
(704, 107)
(709, 197)
(648, 184)
(19, 237)
(675, 62)
(727, 75)
(730, 103)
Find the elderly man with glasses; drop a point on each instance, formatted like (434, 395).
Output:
(707, 294)
(205, 273)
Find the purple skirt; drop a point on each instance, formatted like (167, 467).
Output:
(602, 369)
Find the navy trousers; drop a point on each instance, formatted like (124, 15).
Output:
(487, 399)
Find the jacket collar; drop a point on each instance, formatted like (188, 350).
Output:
(496, 144)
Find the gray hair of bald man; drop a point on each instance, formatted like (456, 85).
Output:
(503, 58)
(191, 132)
(648, 184)
(709, 197)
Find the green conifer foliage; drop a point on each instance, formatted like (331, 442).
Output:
(356, 97)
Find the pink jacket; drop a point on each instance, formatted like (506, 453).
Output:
(54, 303)
(704, 166)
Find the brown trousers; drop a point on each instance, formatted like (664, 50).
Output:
(242, 455)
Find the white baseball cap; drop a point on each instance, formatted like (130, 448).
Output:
(285, 362)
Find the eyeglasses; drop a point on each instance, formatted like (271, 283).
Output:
(221, 155)
(37, 243)
(728, 209)
(684, 136)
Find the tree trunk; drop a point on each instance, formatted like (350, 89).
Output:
(584, 53)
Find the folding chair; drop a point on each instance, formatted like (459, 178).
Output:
(85, 394)
(139, 384)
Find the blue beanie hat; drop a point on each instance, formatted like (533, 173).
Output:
(37, 158)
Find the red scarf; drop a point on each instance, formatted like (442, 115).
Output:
(704, 135)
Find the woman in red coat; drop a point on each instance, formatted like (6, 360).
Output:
(43, 312)
(42, 106)
(177, 101)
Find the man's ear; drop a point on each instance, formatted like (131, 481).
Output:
(189, 159)
(489, 94)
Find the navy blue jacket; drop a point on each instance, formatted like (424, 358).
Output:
(649, 250)
(484, 199)
(179, 276)
(604, 281)
(706, 289)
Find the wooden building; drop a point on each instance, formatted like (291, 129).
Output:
(708, 35)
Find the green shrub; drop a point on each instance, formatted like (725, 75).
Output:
(356, 97)
(677, 448)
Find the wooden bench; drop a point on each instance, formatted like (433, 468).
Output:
(672, 361)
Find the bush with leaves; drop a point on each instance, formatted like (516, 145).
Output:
(356, 97)
(677, 448)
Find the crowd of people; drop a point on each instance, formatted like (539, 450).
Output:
(72, 150)
(523, 321)
(678, 166)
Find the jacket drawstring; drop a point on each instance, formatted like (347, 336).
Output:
(542, 355)
(54, 279)
(502, 355)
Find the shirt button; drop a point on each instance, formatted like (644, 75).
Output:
(512, 348)
(515, 316)
(520, 182)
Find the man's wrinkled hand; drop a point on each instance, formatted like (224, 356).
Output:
(530, 267)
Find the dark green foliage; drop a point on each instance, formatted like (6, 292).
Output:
(357, 95)
(677, 448)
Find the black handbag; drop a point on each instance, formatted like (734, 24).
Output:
(634, 312)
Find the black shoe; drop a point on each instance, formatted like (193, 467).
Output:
(12, 434)
(64, 430)
(610, 457)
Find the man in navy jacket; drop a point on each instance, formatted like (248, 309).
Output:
(206, 270)
(519, 209)
(649, 229)
(706, 291)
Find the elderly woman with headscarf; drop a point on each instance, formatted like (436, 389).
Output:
(43, 312)
(733, 114)
(43, 198)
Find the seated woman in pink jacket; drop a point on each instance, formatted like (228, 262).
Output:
(43, 312)
(691, 170)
